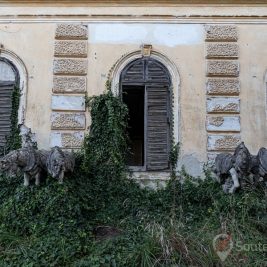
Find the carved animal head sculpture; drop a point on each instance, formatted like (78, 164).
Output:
(59, 162)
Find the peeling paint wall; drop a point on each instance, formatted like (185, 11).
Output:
(61, 71)
(169, 35)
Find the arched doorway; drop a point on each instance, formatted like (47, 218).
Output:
(145, 88)
(9, 83)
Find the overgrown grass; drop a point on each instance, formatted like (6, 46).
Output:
(54, 224)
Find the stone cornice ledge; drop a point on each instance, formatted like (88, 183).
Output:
(84, 11)
(131, 2)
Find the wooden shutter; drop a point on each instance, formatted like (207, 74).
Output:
(154, 77)
(157, 127)
(134, 73)
(6, 90)
(156, 73)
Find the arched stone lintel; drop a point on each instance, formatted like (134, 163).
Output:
(175, 82)
(23, 80)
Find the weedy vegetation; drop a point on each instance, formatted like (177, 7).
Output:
(56, 224)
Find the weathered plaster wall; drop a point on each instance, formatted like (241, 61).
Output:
(253, 67)
(183, 45)
(33, 43)
(176, 32)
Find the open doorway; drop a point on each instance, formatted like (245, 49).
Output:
(133, 97)
(145, 88)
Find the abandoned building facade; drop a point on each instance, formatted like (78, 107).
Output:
(195, 73)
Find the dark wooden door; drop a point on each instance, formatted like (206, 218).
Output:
(157, 127)
(6, 91)
(155, 79)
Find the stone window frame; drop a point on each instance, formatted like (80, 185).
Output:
(115, 75)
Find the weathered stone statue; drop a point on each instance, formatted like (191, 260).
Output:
(28, 138)
(26, 160)
(262, 157)
(235, 166)
(259, 165)
(33, 163)
(8, 164)
(223, 168)
(233, 169)
(58, 163)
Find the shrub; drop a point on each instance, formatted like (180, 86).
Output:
(54, 224)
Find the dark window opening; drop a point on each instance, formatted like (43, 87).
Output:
(133, 97)
(145, 87)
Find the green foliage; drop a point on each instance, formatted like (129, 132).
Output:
(41, 225)
(174, 155)
(53, 225)
(106, 143)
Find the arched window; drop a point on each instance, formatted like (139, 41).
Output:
(9, 80)
(145, 88)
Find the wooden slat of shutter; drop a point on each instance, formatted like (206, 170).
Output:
(157, 127)
(155, 73)
(134, 73)
(6, 90)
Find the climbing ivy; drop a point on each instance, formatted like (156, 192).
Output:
(106, 144)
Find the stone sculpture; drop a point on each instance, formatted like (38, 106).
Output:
(262, 158)
(232, 169)
(28, 138)
(58, 163)
(34, 163)
(26, 160)
(223, 168)
(259, 165)
(9, 165)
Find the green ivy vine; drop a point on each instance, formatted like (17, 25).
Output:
(105, 147)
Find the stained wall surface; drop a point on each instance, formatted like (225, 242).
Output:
(221, 72)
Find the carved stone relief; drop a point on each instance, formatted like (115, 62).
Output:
(70, 70)
(66, 84)
(222, 50)
(71, 31)
(222, 87)
(223, 105)
(223, 142)
(221, 33)
(70, 66)
(223, 68)
(71, 48)
(67, 120)
(223, 123)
